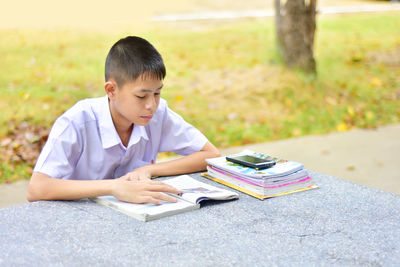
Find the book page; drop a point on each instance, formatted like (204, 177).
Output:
(195, 191)
(148, 209)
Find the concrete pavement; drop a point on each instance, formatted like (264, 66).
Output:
(262, 13)
(13, 193)
(368, 157)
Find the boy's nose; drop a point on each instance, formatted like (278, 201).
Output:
(151, 103)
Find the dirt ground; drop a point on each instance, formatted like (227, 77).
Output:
(104, 14)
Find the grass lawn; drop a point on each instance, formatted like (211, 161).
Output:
(226, 80)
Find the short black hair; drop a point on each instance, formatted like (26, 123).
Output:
(132, 57)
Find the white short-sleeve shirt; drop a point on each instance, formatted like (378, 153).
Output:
(84, 145)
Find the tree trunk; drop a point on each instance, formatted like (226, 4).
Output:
(295, 28)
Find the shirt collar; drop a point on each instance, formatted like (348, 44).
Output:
(109, 135)
(138, 132)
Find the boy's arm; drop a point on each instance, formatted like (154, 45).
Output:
(43, 187)
(191, 163)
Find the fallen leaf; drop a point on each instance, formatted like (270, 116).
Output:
(375, 81)
(341, 127)
(325, 152)
(350, 168)
(178, 98)
(369, 115)
(350, 110)
(23, 143)
(296, 132)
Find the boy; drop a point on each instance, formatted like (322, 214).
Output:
(107, 145)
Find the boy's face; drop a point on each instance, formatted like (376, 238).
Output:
(135, 102)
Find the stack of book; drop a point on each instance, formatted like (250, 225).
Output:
(285, 177)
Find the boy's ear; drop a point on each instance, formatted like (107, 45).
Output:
(110, 88)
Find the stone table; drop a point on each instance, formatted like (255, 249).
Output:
(340, 223)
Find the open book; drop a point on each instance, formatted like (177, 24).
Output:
(193, 192)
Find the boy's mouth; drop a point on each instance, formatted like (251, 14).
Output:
(147, 117)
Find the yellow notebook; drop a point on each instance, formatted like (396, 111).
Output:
(253, 194)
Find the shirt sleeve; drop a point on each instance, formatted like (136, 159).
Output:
(61, 151)
(178, 136)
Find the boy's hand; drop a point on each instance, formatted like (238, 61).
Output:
(143, 191)
(142, 173)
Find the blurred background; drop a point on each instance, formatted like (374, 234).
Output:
(224, 72)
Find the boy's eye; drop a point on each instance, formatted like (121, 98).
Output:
(141, 97)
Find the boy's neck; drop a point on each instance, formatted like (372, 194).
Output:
(122, 126)
(125, 134)
(124, 131)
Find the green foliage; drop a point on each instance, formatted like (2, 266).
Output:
(227, 81)
(11, 173)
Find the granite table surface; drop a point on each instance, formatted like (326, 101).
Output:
(338, 224)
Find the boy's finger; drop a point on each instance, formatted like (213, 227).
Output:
(163, 188)
(164, 197)
(155, 182)
(150, 199)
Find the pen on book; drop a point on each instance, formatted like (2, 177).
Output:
(179, 195)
